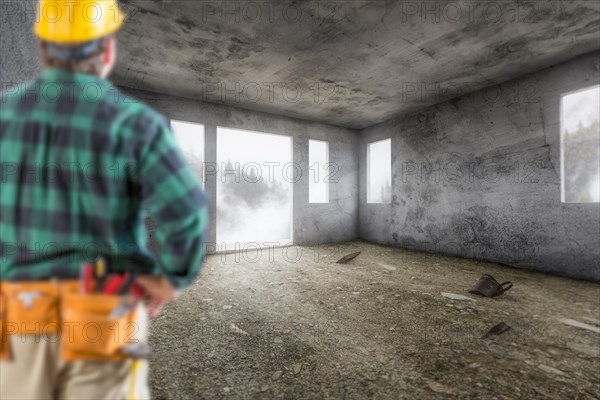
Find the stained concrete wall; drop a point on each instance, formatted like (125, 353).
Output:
(479, 177)
(312, 223)
(19, 60)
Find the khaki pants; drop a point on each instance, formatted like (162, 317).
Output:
(37, 371)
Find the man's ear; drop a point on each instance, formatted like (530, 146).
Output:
(109, 57)
(110, 51)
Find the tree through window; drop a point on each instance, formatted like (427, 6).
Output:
(580, 146)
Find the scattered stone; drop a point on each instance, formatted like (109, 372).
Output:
(497, 329)
(355, 292)
(577, 324)
(592, 320)
(278, 340)
(439, 387)
(237, 329)
(453, 296)
(276, 375)
(227, 307)
(264, 388)
(226, 389)
(585, 349)
(297, 368)
(347, 258)
(551, 370)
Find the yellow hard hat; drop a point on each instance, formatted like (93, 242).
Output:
(77, 21)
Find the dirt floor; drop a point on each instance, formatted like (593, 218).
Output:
(307, 328)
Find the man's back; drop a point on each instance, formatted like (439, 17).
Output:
(79, 164)
(78, 160)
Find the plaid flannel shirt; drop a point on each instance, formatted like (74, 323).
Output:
(79, 164)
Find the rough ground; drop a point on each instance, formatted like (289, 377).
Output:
(377, 327)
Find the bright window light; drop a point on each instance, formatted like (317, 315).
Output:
(580, 146)
(190, 138)
(318, 161)
(254, 187)
(379, 172)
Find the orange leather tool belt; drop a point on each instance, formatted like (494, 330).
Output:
(57, 310)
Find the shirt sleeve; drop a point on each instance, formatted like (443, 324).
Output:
(172, 194)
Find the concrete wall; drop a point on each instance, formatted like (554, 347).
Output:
(19, 60)
(312, 223)
(479, 177)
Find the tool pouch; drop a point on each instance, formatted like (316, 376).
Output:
(33, 308)
(5, 353)
(89, 332)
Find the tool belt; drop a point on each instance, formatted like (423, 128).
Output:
(86, 324)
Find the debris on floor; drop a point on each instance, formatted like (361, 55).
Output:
(237, 329)
(578, 324)
(276, 375)
(497, 329)
(592, 320)
(297, 368)
(550, 369)
(299, 348)
(439, 387)
(389, 268)
(488, 286)
(347, 258)
(454, 296)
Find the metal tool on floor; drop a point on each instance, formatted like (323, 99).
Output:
(488, 286)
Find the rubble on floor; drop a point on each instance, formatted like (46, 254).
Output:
(378, 327)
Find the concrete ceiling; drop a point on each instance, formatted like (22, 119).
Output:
(348, 63)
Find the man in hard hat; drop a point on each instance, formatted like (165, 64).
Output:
(80, 164)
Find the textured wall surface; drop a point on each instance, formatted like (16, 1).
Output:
(313, 223)
(479, 177)
(18, 46)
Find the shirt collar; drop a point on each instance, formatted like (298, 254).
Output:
(62, 75)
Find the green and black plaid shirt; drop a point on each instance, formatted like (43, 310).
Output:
(79, 161)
